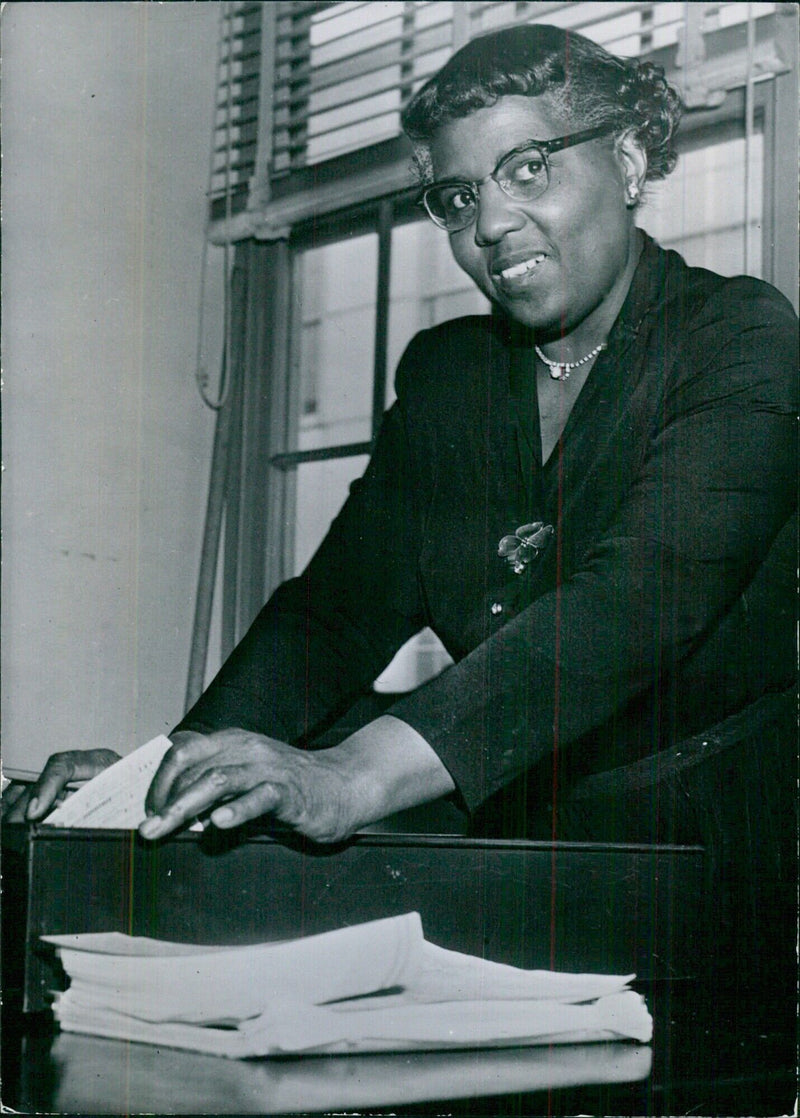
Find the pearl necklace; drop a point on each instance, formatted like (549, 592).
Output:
(560, 370)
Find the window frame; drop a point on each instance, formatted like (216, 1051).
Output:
(379, 217)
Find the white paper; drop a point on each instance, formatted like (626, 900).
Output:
(321, 994)
(117, 943)
(292, 1029)
(452, 976)
(241, 982)
(114, 799)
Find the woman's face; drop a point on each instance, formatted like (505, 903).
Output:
(578, 237)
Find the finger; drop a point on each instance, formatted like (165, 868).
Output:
(211, 786)
(13, 809)
(59, 771)
(187, 750)
(62, 769)
(12, 794)
(262, 800)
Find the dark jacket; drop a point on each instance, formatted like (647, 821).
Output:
(664, 601)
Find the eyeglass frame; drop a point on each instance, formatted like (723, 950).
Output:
(544, 147)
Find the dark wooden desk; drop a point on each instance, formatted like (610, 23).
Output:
(714, 1053)
(609, 908)
(726, 1047)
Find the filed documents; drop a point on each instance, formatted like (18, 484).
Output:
(378, 986)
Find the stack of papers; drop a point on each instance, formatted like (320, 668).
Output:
(378, 986)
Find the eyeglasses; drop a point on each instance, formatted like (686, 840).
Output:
(523, 174)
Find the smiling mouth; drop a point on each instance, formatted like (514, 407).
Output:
(522, 269)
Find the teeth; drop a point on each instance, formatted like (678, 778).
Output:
(521, 269)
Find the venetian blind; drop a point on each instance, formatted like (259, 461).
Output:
(339, 73)
(236, 112)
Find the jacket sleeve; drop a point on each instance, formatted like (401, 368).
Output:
(324, 636)
(716, 483)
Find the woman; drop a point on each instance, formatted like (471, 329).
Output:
(588, 496)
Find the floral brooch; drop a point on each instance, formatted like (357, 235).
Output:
(524, 545)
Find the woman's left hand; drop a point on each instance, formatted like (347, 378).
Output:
(236, 776)
(327, 794)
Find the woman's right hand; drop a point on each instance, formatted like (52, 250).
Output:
(23, 803)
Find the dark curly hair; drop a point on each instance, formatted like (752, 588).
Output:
(583, 81)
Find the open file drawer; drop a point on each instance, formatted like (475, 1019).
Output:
(571, 906)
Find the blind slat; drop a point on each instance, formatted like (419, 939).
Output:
(307, 82)
(355, 66)
(388, 18)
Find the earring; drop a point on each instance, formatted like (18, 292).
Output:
(633, 193)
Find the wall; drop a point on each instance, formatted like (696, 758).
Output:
(106, 132)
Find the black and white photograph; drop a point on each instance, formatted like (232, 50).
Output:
(399, 558)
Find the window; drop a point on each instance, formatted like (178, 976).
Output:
(338, 297)
(701, 208)
(336, 343)
(335, 348)
(426, 287)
